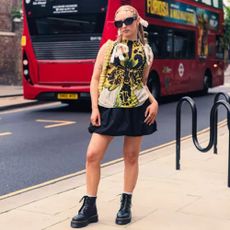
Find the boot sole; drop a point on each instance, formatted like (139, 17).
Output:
(123, 221)
(80, 224)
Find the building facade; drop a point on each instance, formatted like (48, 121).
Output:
(10, 50)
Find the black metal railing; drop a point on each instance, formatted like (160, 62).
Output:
(213, 127)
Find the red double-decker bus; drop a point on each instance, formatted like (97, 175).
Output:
(61, 39)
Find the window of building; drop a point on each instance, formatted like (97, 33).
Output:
(214, 3)
(208, 2)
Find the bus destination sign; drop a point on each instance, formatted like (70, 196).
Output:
(41, 3)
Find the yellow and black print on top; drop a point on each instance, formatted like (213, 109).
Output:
(123, 85)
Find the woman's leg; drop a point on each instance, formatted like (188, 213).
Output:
(96, 150)
(95, 153)
(132, 147)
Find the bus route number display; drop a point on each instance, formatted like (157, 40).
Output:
(41, 3)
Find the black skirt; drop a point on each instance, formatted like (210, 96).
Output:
(123, 122)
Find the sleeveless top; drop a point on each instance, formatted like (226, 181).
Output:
(123, 85)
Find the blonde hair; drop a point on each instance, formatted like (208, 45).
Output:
(140, 32)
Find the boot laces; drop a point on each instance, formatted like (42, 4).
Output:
(125, 202)
(85, 205)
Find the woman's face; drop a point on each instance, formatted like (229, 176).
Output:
(127, 31)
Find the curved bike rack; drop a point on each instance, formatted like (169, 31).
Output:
(213, 127)
(216, 98)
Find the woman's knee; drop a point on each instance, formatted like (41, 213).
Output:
(97, 147)
(93, 156)
(131, 157)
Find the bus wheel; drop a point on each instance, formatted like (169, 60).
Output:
(154, 85)
(206, 84)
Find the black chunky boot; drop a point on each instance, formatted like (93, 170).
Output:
(124, 214)
(87, 213)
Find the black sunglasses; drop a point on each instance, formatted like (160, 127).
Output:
(128, 21)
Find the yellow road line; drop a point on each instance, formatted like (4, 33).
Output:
(5, 134)
(59, 123)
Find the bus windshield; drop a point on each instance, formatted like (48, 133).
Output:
(60, 17)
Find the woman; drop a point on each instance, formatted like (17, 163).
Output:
(121, 106)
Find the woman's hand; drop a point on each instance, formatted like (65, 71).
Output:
(95, 117)
(151, 113)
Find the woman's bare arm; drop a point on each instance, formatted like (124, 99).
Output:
(152, 109)
(145, 80)
(94, 93)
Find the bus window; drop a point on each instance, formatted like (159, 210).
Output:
(157, 41)
(161, 41)
(180, 46)
(219, 47)
(184, 43)
(66, 17)
(79, 24)
(169, 44)
(216, 3)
